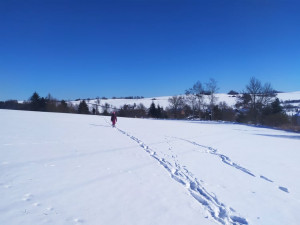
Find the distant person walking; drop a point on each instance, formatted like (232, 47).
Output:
(113, 119)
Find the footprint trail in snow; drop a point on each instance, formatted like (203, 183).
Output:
(225, 159)
(217, 210)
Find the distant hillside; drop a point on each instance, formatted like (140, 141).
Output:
(292, 98)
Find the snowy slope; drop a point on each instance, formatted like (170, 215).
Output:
(77, 169)
(163, 101)
(289, 96)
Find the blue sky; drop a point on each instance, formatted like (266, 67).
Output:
(80, 49)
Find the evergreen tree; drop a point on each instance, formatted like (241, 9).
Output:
(273, 114)
(42, 104)
(276, 107)
(35, 102)
(83, 108)
(63, 107)
(243, 101)
(159, 112)
(152, 110)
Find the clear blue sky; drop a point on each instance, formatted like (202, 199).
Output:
(80, 49)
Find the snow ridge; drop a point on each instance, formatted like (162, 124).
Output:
(217, 210)
(225, 159)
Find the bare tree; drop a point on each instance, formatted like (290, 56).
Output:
(211, 89)
(106, 108)
(51, 103)
(261, 95)
(268, 94)
(98, 100)
(254, 89)
(195, 96)
(192, 101)
(176, 104)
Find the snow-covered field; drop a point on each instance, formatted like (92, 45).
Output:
(77, 169)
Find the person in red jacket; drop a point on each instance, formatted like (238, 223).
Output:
(113, 119)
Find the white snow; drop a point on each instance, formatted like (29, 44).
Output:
(77, 169)
(289, 96)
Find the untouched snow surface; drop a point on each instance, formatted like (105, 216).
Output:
(77, 169)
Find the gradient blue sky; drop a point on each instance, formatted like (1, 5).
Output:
(80, 49)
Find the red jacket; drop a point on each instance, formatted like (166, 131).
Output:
(113, 117)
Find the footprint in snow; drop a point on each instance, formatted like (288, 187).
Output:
(284, 189)
(6, 186)
(77, 220)
(36, 204)
(265, 178)
(27, 197)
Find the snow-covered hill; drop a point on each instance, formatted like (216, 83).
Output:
(77, 169)
(163, 101)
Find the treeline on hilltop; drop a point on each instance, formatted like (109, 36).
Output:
(37, 103)
(256, 105)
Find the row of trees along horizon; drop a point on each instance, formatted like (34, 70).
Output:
(256, 105)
